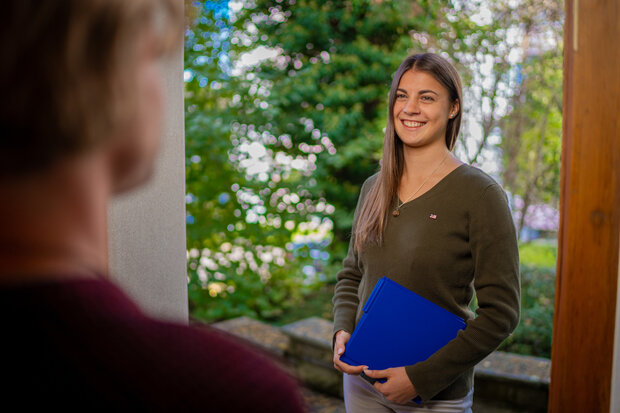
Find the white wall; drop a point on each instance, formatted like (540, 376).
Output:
(147, 246)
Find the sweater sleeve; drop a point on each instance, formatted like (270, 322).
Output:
(495, 255)
(346, 299)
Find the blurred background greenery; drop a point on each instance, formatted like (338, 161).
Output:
(285, 105)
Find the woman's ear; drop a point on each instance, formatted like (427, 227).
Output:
(454, 108)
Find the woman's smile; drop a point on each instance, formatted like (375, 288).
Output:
(412, 124)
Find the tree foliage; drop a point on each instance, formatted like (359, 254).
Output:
(532, 127)
(238, 264)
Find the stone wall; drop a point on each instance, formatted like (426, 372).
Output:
(504, 382)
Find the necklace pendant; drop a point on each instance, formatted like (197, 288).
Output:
(396, 213)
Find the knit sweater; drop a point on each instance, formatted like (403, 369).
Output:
(455, 239)
(83, 345)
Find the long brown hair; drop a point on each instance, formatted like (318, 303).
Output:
(377, 204)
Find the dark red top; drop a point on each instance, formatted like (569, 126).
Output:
(83, 344)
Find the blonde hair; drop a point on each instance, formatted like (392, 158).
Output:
(65, 75)
(378, 202)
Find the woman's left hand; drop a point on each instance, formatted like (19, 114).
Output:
(398, 388)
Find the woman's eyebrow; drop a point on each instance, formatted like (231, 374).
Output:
(421, 92)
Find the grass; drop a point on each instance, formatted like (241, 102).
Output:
(539, 253)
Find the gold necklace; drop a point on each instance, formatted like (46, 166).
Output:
(396, 211)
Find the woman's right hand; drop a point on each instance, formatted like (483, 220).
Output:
(342, 337)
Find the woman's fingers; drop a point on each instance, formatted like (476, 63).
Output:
(347, 368)
(341, 340)
(378, 374)
(342, 337)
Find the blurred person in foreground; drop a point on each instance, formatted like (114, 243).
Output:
(80, 122)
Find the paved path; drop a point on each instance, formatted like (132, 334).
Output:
(320, 403)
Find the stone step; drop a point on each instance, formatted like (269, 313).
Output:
(274, 341)
(310, 351)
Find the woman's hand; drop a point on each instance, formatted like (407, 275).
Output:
(342, 337)
(398, 388)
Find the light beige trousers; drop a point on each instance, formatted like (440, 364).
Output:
(361, 397)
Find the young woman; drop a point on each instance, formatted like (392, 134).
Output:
(439, 227)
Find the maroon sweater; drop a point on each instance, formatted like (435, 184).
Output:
(83, 344)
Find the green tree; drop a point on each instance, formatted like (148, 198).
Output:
(326, 88)
(237, 263)
(532, 128)
(277, 150)
(280, 149)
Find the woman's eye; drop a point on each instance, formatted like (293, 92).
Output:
(401, 96)
(428, 98)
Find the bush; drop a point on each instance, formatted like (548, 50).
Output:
(533, 335)
(231, 284)
(262, 282)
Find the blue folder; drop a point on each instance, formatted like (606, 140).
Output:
(399, 328)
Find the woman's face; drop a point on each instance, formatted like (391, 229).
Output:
(422, 109)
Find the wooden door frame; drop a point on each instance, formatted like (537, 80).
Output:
(588, 244)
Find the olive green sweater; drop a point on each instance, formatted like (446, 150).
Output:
(456, 238)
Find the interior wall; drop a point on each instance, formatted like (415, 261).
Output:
(147, 246)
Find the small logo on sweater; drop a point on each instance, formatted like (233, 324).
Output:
(433, 216)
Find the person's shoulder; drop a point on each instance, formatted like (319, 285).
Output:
(369, 182)
(150, 363)
(193, 348)
(195, 367)
(474, 180)
(477, 176)
(479, 193)
(206, 361)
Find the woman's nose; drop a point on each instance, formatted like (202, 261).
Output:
(411, 107)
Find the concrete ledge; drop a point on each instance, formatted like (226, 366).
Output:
(514, 380)
(310, 352)
(268, 337)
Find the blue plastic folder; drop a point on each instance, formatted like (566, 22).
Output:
(399, 328)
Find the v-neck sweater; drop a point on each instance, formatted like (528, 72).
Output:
(453, 240)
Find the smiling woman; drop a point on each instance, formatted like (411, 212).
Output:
(439, 227)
